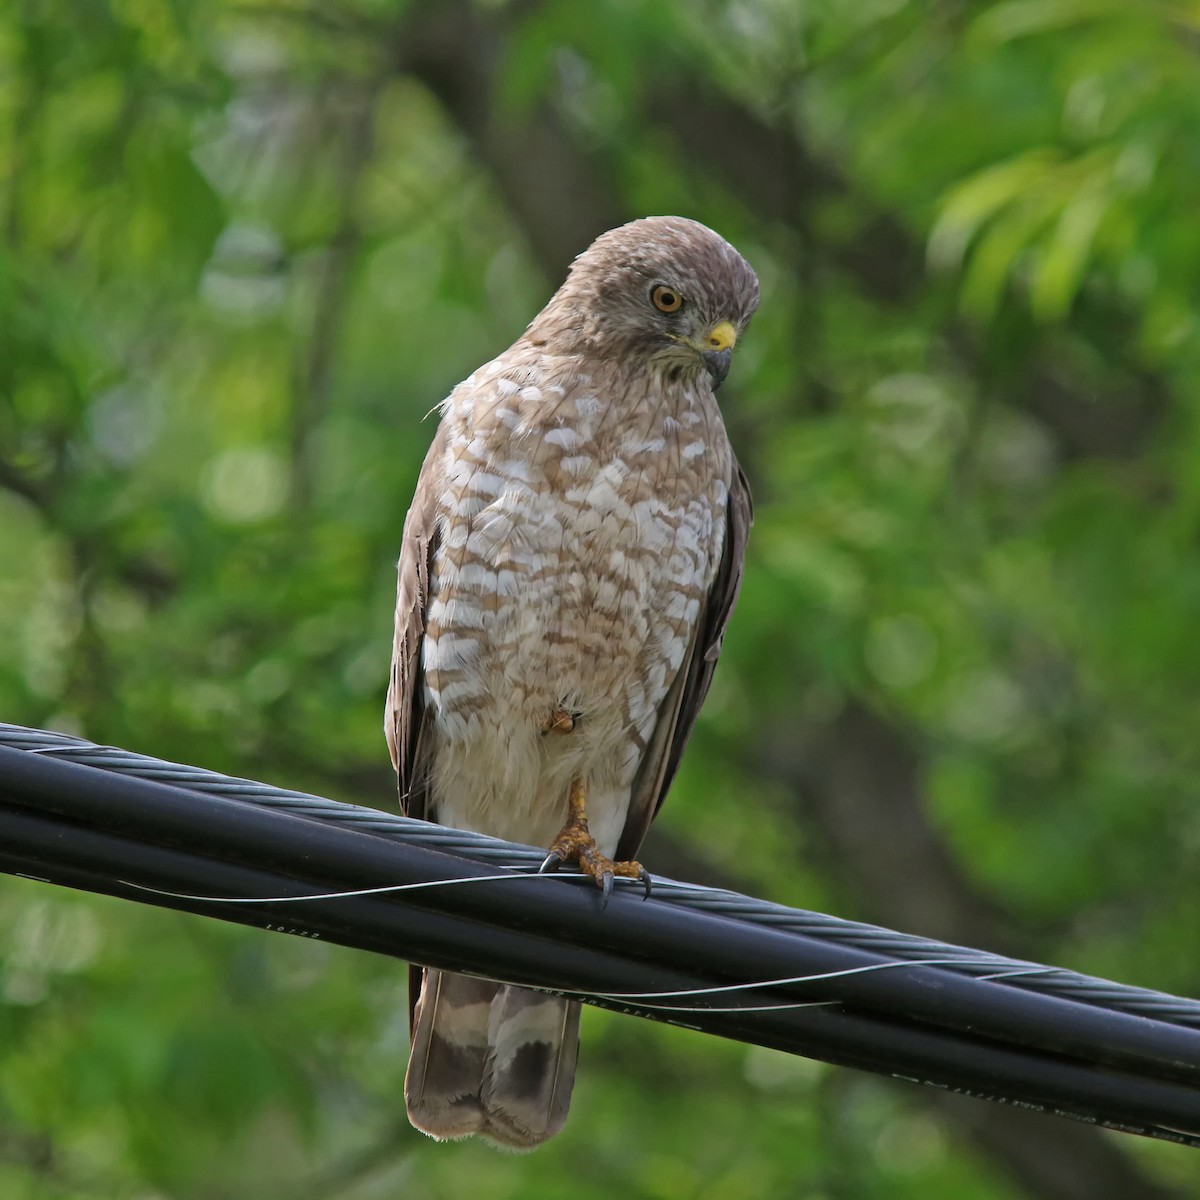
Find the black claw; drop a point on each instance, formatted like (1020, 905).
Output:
(644, 880)
(606, 887)
(550, 863)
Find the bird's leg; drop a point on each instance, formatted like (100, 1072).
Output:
(576, 844)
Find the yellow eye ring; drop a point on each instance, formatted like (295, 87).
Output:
(666, 299)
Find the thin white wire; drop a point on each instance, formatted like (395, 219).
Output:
(786, 981)
(725, 1008)
(641, 997)
(517, 873)
(1018, 974)
(340, 895)
(645, 999)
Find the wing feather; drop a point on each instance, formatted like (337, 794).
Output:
(679, 710)
(405, 723)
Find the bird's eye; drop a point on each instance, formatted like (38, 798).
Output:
(666, 299)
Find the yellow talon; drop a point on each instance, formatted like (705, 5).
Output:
(576, 844)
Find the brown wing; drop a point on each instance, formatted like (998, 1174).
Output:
(683, 701)
(404, 717)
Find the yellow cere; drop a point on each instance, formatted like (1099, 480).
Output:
(722, 337)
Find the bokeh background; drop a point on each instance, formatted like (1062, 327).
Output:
(247, 245)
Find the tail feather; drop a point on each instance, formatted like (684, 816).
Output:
(533, 1048)
(449, 1049)
(490, 1059)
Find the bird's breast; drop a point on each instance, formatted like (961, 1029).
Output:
(571, 572)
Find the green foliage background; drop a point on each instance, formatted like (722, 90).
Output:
(247, 245)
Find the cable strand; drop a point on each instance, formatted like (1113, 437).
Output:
(1055, 981)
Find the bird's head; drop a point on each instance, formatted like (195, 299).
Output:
(665, 290)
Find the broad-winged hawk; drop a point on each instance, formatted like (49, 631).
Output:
(572, 555)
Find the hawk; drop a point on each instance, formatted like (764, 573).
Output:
(569, 563)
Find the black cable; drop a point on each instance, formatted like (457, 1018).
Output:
(67, 855)
(85, 828)
(464, 844)
(745, 952)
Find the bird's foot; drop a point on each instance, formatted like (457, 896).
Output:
(576, 845)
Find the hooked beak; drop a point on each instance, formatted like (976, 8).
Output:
(716, 363)
(717, 352)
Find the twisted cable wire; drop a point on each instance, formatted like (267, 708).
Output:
(980, 964)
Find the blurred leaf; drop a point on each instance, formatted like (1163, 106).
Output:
(245, 250)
